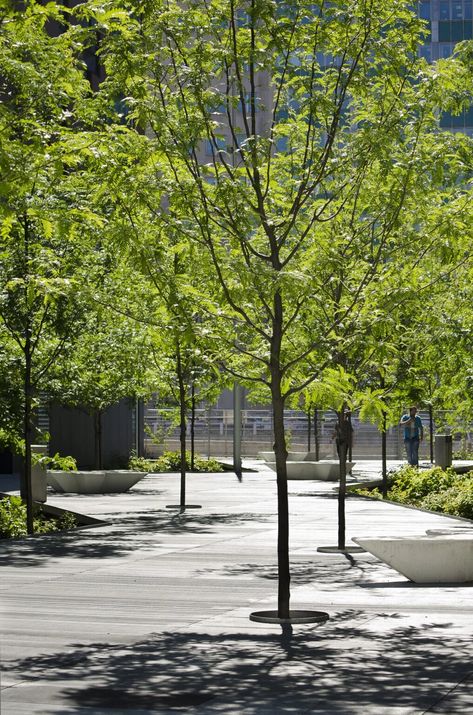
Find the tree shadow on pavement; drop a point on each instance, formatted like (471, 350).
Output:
(347, 665)
(313, 568)
(136, 531)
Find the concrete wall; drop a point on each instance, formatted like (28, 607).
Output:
(72, 434)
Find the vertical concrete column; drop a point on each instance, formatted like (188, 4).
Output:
(38, 475)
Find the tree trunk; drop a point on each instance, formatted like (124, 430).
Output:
(192, 427)
(98, 439)
(384, 472)
(344, 440)
(280, 453)
(309, 425)
(342, 456)
(182, 427)
(26, 486)
(26, 490)
(431, 433)
(237, 430)
(350, 444)
(384, 458)
(316, 434)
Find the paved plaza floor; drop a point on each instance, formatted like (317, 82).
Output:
(148, 613)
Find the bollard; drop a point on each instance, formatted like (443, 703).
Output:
(443, 450)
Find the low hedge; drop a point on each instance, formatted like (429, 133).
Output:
(13, 520)
(171, 462)
(435, 489)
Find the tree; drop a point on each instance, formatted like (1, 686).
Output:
(277, 93)
(107, 365)
(45, 98)
(182, 356)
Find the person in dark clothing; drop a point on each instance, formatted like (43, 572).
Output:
(343, 434)
(413, 435)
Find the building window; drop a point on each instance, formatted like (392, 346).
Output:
(445, 50)
(457, 32)
(457, 11)
(444, 31)
(426, 52)
(444, 10)
(424, 10)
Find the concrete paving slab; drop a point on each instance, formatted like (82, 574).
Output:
(149, 614)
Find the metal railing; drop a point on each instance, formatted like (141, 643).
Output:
(213, 431)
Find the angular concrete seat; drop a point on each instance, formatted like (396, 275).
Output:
(445, 558)
(94, 482)
(326, 470)
(291, 456)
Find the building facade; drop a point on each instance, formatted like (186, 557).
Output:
(448, 22)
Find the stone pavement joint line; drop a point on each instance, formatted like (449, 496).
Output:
(149, 613)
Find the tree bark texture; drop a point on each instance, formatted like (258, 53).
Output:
(431, 433)
(280, 453)
(316, 434)
(192, 427)
(182, 427)
(344, 440)
(27, 487)
(309, 425)
(384, 458)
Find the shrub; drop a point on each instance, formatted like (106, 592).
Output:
(456, 500)
(13, 520)
(63, 464)
(463, 453)
(410, 485)
(140, 464)
(207, 465)
(374, 493)
(67, 521)
(171, 462)
(433, 489)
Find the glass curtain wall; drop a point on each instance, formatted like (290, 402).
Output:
(448, 22)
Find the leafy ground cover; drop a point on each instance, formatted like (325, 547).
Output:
(13, 520)
(435, 489)
(463, 453)
(171, 462)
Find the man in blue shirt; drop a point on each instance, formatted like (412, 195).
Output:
(413, 434)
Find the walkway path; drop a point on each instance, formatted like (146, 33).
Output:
(149, 613)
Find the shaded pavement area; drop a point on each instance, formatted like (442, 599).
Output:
(148, 613)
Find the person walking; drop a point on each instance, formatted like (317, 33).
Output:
(343, 434)
(413, 435)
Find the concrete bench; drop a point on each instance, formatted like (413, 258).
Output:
(94, 482)
(427, 558)
(291, 456)
(326, 470)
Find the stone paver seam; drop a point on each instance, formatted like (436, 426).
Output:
(102, 568)
(37, 679)
(448, 693)
(177, 549)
